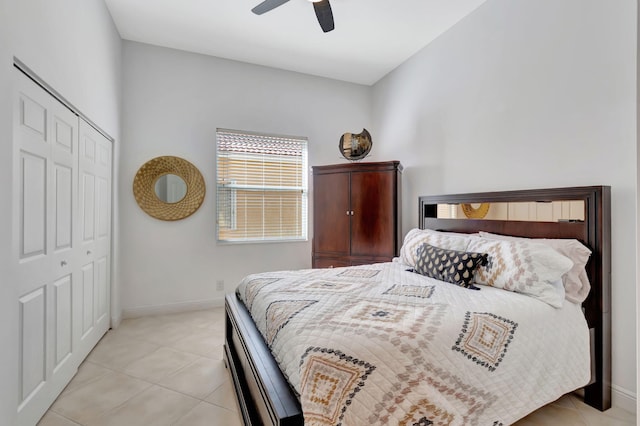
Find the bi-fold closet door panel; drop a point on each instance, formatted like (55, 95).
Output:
(94, 246)
(48, 248)
(44, 202)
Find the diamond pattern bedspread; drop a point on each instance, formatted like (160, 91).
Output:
(377, 345)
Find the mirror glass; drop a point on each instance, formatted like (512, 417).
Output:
(355, 146)
(534, 211)
(170, 188)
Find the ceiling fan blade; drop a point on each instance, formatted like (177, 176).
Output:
(267, 5)
(324, 14)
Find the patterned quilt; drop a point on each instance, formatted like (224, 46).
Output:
(377, 345)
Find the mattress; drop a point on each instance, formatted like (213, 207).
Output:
(378, 345)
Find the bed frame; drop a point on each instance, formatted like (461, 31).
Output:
(265, 397)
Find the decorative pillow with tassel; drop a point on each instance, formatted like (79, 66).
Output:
(452, 266)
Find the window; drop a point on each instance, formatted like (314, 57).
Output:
(261, 187)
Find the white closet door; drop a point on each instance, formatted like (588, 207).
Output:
(61, 205)
(93, 288)
(44, 204)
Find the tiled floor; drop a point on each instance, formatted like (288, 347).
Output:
(162, 370)
(168, 370)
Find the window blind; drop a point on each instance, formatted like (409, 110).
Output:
(261, 187)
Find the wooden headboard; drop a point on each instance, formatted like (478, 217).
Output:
(594, 232)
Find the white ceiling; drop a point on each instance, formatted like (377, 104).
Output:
(371, 37)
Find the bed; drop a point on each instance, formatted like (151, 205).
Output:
(267, 395)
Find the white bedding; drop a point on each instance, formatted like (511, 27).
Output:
(377, 345)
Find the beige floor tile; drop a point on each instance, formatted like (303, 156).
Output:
(114, 337)
(136, 326)
(552, 415)
(141, 328)
(592, 416)
(206, 414)
(87, 372)
(98, 396)
(578, 402)
(117, 351)
(210, 318)
(612, 417)
(159, 364)
(565, 401)
(199, 379)
(202, 341)
(133, 328)
(167, 334)
(224, 396)
(216, 321)
(53, 419)
(155, 406)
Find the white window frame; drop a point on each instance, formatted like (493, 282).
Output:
(232, 203)
(234, 186)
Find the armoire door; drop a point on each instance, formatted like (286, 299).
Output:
(44, 203)
(331, 214)
(93, 287)
(373, 221)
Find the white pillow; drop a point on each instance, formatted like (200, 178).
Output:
(523, 267)
(576, 282)
(444, 240)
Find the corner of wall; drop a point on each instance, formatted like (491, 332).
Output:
(637, 403)
(623, 398)
(8, 292)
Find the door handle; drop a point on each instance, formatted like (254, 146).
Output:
(63, 263)
(88, 252)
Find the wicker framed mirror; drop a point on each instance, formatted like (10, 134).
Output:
(169, 188)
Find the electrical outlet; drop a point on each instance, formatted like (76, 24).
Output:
(220, 285)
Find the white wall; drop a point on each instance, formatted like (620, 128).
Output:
(8, 291)
(527, 94)
(637, 200)
(74, 46)
(173, 103)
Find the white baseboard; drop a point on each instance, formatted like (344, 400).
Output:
(171, 308)
(623, 398)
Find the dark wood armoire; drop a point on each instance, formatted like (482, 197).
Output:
(356, 213)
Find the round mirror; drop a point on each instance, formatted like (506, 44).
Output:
(355, 146)
(170, 188)
(475, 211)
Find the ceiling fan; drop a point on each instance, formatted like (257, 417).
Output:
(322, 8)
